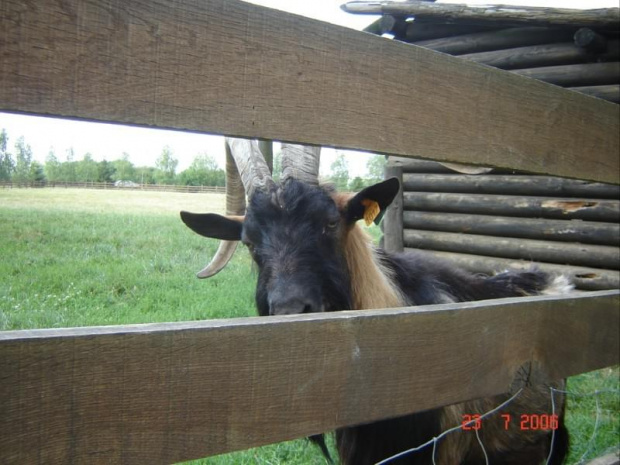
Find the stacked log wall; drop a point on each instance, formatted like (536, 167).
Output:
(583, 59)
(501, 220)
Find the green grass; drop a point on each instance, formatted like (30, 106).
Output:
(87, 258)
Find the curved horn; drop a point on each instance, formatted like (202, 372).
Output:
(301, 162)
(224, 253)
(235, 205)
(251, 165)
(246, 170)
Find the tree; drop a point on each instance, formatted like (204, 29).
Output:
(36, 173)
(204, 171)
(23, 159)
(340, 172)
(145, 174)
(86, 169)
(124, 169)
(167, 165)
(7, 165)
(69, 168)
(53, 168)
(357, 184)
(376, 167)
(105, 171)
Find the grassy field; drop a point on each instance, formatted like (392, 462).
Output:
(88, 257)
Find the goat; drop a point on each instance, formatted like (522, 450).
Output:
(313, 257)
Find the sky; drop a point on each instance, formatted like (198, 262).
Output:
(108, 141)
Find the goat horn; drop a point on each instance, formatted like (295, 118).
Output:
(301, 162)
(224, 253)
(235, 205)
(246, 171)
(251, 165)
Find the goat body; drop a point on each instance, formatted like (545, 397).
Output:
(312, 257)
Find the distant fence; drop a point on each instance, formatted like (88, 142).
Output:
(110, 185)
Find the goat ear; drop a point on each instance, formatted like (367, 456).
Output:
(226, 228)
(372, 202)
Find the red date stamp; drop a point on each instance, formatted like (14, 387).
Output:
(527, 422)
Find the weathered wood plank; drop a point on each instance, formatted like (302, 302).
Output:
(162, 393)
(425, 31)
(587, 255)
(521, 206)
(495, 40)
(393, 221)
(587, 74)
(509, 15)
(589, 279)
(586, 232)
(228, 67)
(610, 93)
(509, 185)
(564, 53)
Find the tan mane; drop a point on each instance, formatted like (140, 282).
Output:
(372, 285)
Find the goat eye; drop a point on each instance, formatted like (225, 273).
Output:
(331, 226)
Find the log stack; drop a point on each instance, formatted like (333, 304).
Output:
(500, 220)
(576, 49)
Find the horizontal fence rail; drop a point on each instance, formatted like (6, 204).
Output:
(111, 185)
(229, 67)
(162, 393)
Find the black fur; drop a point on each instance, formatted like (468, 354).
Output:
(295, 235)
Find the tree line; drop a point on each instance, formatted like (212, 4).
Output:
(18, 166)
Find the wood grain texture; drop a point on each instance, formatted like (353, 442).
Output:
(393, 221)
(566, 208)
(610, 93)
(228, 67)
(490, 14)
(163, 393)
(513, 184)
(587, 74)
(476, 42)
(565, 53)
(589, 279)
(535, 250)
(585, 232)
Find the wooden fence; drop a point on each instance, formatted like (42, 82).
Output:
(111, 185)
(162, 393)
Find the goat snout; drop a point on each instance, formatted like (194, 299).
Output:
(293, 300)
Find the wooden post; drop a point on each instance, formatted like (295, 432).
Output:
(594, 256)
(520, 206)
(585, 232)
(496, 40)
(589, 74)
(514, 184)
(417, 31)
(610, 93)
(543, 55)
(393, 221)
(590, 279)
(503, 15)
